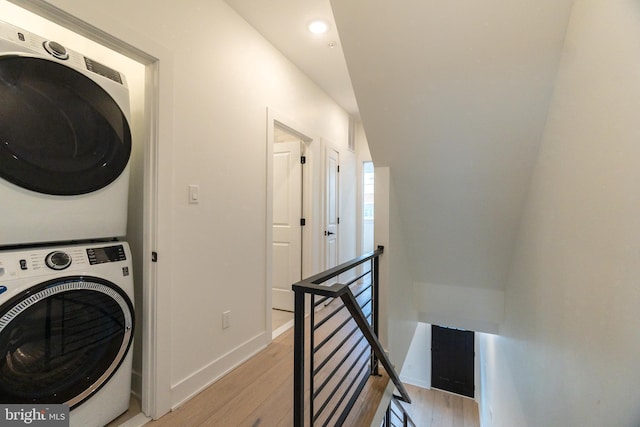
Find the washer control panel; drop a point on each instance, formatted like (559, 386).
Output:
(34, 262)
(106, 254)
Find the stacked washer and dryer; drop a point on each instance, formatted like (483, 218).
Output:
(66, 284)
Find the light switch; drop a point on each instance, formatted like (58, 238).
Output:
(194, 193)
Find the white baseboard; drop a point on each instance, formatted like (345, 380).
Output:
(203, 378)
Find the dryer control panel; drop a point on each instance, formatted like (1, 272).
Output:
(46, 48)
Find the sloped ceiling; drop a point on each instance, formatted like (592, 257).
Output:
(453, 96)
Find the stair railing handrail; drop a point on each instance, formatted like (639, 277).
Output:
(406, 419)
(313, 285)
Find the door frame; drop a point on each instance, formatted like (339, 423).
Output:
(156, 346)
(309, 230)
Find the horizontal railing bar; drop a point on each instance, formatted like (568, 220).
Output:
(363, 290)
(336, 369)
(337, 387)
(366, 303)
(333, 334)
(397, 400)
(321, 301)
(336, 331)
(353, 307)
(396, 414)
(346, 375)
(320, 367)
(336, 311)
(355, 279)
(337, 348)
(352, 400)
(312, 284)
(329, 317)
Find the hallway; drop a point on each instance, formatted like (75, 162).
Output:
(259, 393)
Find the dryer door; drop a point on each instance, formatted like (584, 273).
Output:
(60, 132)
(62, 340)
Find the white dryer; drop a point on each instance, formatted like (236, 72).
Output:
(65, 143)
(66, 329)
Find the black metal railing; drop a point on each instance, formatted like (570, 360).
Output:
(342, 345)
(397, 415)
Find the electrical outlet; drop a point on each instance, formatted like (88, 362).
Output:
(226, 319)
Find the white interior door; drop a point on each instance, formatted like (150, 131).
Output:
(332, 214)
(287, 231)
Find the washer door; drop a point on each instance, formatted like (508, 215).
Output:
(62, 340)
(60, 132)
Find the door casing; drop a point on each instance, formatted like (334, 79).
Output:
(309, 231)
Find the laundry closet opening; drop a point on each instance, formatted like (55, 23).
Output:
(133, 74)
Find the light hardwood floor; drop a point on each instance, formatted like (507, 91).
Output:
(435, 408)
(259, 393)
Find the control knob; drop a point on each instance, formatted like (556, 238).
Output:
(56, 50)
(58, 260)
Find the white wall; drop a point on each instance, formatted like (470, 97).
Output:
(417, 365)
(568, 355)
(220, 77)
(397, 311)
(461, 307)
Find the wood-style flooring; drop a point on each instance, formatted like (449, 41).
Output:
(260, 393)
(435, 408)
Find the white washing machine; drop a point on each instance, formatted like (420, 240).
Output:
(66, 329)
(65, 143)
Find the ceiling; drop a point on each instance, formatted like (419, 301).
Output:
(453, 96)
(284, 24)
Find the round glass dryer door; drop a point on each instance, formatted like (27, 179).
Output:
(60, 132)
(60, 341)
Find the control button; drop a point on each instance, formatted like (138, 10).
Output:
(3, 289)
(56, 50)
(23, 264)
(58, 260)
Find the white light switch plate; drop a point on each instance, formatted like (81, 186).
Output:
(194, 193)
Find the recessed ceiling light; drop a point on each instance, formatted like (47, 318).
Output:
(318, 27)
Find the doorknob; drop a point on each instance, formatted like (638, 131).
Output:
(328, 233)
